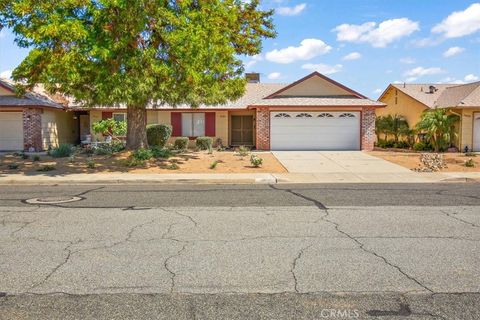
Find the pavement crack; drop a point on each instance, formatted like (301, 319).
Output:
(294, 265)
(195, 223)
(453, 216)
(172, 273)
(317, 203)
(88, 191)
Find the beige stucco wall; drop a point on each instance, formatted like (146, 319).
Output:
(315, 86)
(5, 92)
(466, 130)
(58, 127)
(405, 106)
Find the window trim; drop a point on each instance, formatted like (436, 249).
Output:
(193, 124)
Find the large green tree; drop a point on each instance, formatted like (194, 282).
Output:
(439, 127)
(137, 52)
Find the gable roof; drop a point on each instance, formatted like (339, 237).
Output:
(36, 97)
(445, 95)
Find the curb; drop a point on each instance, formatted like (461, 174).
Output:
(142, 181)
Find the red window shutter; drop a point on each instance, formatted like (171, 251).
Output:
(176, 122)
(210, 124)
(107, 115)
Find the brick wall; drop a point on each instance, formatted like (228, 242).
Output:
(368, 128)
(32, 129)
(263, 129)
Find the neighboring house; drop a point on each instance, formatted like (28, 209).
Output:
(35, 121)
(410, 100)
(313, 113)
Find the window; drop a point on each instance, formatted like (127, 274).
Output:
(282, 115)
(303, 115)
(193, 124)
(347, 115)
(119, 116)
(325, 115)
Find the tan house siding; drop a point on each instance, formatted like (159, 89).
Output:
(5, 92)
(315, 86)
(58, 127)
(466, 136)
(401, 104)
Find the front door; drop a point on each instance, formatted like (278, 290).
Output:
(84, 126)
(476, 131)
(242, 130)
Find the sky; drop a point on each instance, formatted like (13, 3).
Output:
(363, 44)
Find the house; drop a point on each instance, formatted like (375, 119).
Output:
(410, 100)
(313, 113)
(35, 121)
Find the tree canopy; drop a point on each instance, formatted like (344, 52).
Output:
(136, 52)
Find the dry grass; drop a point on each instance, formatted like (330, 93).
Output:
(408, 159)
(188, 162)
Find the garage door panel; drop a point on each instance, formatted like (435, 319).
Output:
(338, 131)
(11, 131)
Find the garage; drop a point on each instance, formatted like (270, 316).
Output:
(305, 130)
(11, 131)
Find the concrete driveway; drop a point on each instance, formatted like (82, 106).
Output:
(343, 166)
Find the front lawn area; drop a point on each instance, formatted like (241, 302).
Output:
(185, 162)
(455, 161)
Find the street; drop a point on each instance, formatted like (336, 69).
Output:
(320, 251)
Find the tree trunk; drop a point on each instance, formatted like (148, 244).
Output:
(136, 127)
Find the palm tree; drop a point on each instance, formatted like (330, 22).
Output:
(381, 127)
(439, 127)
(398, 126)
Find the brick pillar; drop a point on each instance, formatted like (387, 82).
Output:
(368, 128)
(263, 128)
(32, 129)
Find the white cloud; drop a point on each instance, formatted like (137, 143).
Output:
(453, 51)
(291, 11)
(421, 71)
(274, 75)
(470, 77)
(407, 60)
(378, 36)
(377, 91)
(352, 56)
(323, 68)
(253, 61)
(426, 42)
(6, 74)
(308, 49)
(411, 79)
(460, 23)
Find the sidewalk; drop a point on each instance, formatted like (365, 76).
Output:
(237, 178)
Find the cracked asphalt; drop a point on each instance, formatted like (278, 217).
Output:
(241, 252)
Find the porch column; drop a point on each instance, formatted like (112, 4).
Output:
(368, 128)
(262, 128)
(32, 129)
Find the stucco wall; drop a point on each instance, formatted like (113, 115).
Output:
(466, 136)
(406, 106)
(315, 86)
(58, 127)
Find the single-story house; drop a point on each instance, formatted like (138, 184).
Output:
(313, 113)
(36, 121)
(411, 100)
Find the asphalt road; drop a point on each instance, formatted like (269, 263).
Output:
(335, 251)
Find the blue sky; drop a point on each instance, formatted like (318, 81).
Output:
(364, 44)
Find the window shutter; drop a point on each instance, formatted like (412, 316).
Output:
(107, 115)
(210, 124)
(176, 122)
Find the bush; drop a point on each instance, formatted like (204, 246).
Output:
(47, 167)
(36, 157)
(158, 134)
(90, 164)
(109, 148)
(470, 163)
(13, 166)
(62, 151)
(173, 166)
(204, 143)
(401, 145)
(256, 161)
(243, 151)
(25, 156)
(142, 154)
(181, 143)
(213, 165)
(470, 154)
(422, 146)
(161, 153)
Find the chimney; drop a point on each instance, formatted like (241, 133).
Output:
(432, 89)
(253, 77)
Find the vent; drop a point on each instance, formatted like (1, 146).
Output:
(253, 77)
(432, 89)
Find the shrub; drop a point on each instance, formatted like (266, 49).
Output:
(62, 151)
(158, 134)
(47, 167)
(71, 159)
(142, 154)
(173, 166)
(470, 163)
(161, 153)
(243, 151)
(90, 164)
(181, 143)
(132, 162)
(422, 146)
(470, 154)
(213, 165)
(36, 157)
(256, 161)
(204, 143)
(13, 166)
(401, 145)
(25, 156)
(110, 127)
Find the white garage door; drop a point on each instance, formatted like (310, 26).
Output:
(315, 130)
(11, 131)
